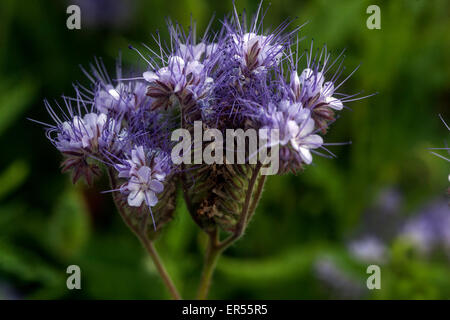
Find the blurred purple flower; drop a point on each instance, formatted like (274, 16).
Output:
(368, 249)
(429, 228)
(338, 283)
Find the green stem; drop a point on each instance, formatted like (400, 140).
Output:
(146, 243)
(257, 195)
(216, 247)
(211, 257)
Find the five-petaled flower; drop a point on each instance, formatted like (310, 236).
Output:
(144, 176)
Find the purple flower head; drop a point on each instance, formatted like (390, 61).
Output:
(296, 133)
(312, 90)
(316, 85)
(180, 74)
(254, 51)
(180, 79)
(311, 87)
(83, 135)
(87, 134)
(145, 161)
(117, 97)
(298, 108)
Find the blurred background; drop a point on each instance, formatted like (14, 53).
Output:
(383, 201)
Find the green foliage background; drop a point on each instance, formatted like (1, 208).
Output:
(46, 223)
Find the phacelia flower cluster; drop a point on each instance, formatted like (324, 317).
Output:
(240, 77)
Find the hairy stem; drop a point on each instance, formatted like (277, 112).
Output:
(141, 234)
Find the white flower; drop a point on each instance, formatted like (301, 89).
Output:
(172, 75)
(256, 52)
(303, 140)
(144, 177)
(134, 164)
(310, 84)
(326, 95)
(143, 186)
(295, 127)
